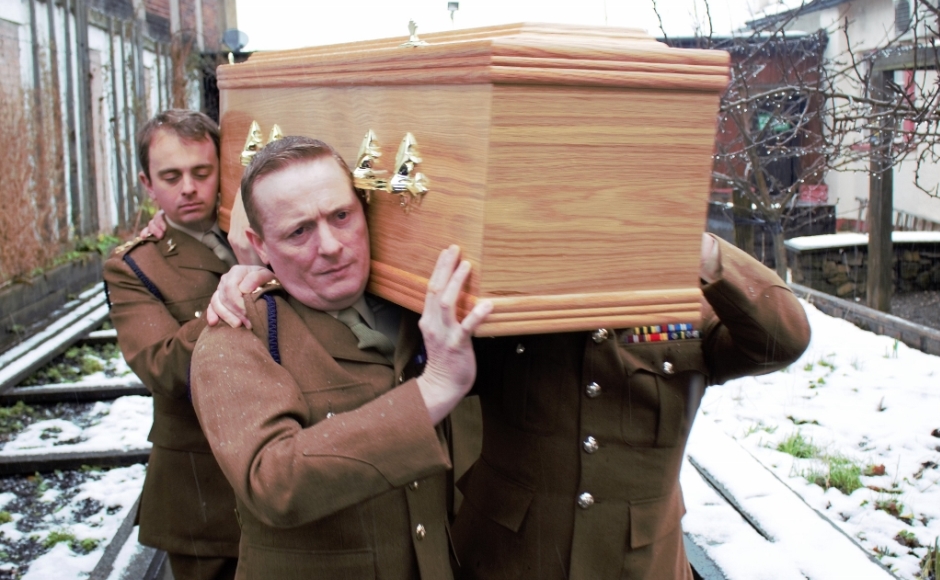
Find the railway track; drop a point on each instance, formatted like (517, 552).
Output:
(79, 324)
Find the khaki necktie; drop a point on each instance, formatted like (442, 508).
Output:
(219, 248)
(368, 337)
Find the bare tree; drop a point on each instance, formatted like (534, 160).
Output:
(793, 112)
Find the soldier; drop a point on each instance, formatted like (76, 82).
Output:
(323, 414)
(583, 433)
(158, 290)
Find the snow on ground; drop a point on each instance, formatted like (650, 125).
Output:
(115, 490)
(858, 396)
(853, 395)
(119, 425)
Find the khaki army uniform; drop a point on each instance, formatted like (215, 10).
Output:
(338, 471)
(584, 433)
(157, 290)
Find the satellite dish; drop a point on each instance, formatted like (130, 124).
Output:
(235, 39)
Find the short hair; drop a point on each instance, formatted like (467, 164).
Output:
(278, 155)
(188, 125)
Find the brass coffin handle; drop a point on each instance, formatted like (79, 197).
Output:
(408, 182)
(254, 143)
(365, 176)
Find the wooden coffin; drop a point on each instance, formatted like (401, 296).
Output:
(571, 164)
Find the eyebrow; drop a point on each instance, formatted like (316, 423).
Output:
(169, 170)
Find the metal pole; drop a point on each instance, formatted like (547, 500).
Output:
(124, 210)
(60, 201)
(90, 199)
(74, 196)
(128, 135)
(157, 60)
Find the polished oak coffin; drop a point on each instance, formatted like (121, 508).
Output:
(571, 164)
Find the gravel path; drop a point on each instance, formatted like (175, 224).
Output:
(918, 307)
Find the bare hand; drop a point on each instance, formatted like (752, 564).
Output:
(156, 227)
(451, 367)
(710, 266)
(238, 223)
(228, 301)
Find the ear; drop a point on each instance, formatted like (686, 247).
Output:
(148, 185)
(258, 244)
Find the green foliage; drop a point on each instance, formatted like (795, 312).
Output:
(841, 473)
(56, 536)
(906, 538)
(14, 418)
(759, 426)
(74, 363)
(84, 546)
(102, 243)
(5, 517)
(798, 447)
(882, 551)
(930, 564)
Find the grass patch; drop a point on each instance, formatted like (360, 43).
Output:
(79, 546)
(841, 473)
(56, 536)
(759, 426)
(799, 447)
(15, 418)
(908, 539)
(930, 564)
(75, 363)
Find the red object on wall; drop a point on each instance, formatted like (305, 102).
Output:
(815, 194)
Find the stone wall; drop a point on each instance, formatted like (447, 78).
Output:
(843, 271)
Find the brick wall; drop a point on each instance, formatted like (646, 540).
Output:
(159, 8)
(188, 15)
(211, 22)
(9, 54)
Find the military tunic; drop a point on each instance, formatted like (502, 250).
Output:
(158, 290)
(337, 468)
(584, 433)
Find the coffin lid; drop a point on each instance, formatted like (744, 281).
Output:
(523, 53)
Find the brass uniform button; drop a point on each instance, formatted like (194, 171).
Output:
(590, 445)
(199, 314)
(592, 390)
(420, 532)
(668, 368)
(413, 485)
(520, 348)
(585, 500)
(600, 335)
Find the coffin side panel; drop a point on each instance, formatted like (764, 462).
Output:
(450, 124)
(622, 176)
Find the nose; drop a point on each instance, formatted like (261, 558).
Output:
(330, 245)
(187, 184)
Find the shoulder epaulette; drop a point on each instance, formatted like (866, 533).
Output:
(129, 245)
(271, 286)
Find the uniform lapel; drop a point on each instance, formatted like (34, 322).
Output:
(185, 251)
(336, 338)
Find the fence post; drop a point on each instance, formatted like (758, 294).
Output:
(122, 204)
(881, 196)
(90, 197)
(75, 199)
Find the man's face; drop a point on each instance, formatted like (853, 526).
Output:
(315, 233)
(184, 179)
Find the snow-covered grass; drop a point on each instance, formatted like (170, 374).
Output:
(864, 405)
